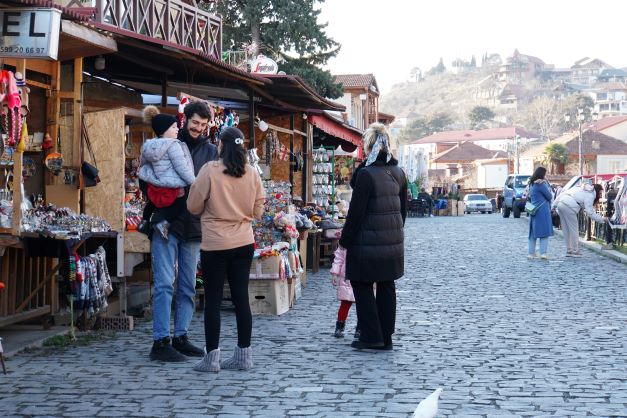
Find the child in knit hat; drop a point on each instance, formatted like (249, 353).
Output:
(167, 168)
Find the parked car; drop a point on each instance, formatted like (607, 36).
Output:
(514, 197)
(477, 203)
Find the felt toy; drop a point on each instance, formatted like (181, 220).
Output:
(10, 95)
(47, 144)
(21, 145)
(180, 116)
(228, 117)
(24, 91)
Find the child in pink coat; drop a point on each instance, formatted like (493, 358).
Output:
(344, 291)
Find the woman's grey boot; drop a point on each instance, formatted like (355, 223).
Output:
(210, 362)
(242, 359)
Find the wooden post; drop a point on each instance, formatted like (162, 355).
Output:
(251, 119)
(308, 163)
(292, 159)
(77, 114)
(53, 106)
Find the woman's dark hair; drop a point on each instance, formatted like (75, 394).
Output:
(233, 155)
(538, 174)
(196, 108)
(598, 189)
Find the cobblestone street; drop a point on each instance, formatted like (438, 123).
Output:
(502, 335)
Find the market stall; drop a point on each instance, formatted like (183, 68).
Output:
(43, 229)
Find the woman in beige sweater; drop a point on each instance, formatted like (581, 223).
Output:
(228, 195)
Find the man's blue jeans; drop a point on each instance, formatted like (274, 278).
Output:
(166, 254)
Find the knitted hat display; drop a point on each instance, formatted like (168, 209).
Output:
(160, 122)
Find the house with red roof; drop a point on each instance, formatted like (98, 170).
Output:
(602, 154)
(614, 126)
(361, 99)
(493, 139)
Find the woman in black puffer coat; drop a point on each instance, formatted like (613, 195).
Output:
(373, 237)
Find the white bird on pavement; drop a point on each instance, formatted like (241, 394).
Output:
(428, 407)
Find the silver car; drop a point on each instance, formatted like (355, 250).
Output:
(477, 203)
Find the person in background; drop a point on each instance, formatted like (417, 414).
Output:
(181, 249)
(540, 225)
(373, 237)
(228, 195)
(423, 195)
(568, 204)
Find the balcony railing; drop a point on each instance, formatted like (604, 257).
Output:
(171, 21)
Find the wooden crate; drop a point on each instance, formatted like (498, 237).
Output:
(268, 297)
(461, 207)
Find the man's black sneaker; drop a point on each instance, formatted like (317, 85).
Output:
(162, 350)
(183, 346)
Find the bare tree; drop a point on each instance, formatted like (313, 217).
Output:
(543, 114)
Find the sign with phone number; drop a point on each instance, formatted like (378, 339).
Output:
(29, 33)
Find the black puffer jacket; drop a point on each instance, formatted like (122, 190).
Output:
(373, 234)
(187, 226)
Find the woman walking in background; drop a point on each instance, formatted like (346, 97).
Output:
(228, 195)
(373, 238)
(540, 225)
(568, 205)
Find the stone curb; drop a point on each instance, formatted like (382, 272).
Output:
(593, 246)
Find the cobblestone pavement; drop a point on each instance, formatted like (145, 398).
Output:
(502, 335)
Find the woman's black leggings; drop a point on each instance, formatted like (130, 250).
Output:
(232, 265)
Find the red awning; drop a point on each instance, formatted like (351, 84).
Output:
(337, 129)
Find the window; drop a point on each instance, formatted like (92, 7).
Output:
(614, 166)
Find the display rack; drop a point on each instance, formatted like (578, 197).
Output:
(324, 176)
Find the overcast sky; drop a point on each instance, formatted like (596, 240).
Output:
(388, 38)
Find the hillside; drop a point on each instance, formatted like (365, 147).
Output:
(452, 93)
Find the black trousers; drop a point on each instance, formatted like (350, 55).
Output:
(376, 315)
(232, 265)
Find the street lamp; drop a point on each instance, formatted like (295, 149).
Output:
(581, 118)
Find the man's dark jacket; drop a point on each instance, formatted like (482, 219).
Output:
(187, 226)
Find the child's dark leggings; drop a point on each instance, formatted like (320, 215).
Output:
(232, 265)
(342, 313)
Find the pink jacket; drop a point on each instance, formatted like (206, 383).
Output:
(344, 289)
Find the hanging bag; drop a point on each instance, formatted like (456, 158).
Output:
(532, 209)
(90, 172)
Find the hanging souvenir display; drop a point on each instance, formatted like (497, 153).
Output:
(54, 160)
(61, 223)
(10, 98)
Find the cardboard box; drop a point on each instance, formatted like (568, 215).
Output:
(291, 290)
(268, 297)
(266, 268)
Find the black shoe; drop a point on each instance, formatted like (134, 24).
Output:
(163, 351)
(339, 329)
(144, 227)
(183, 346)
(357, 334)
(360, 345)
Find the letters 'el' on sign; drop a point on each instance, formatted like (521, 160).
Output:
(29, 33)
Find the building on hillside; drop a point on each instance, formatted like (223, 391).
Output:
(494, 139)
(460, 159)
(361, 99)
(587, 70)
(612, 75)
(512, 95)
(487, 92)
(610, 99)
(553, 74)
(614, 126)
(602, 154)
(519, 68)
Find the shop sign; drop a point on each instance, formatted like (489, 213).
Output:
(29, 33)
(264, 65)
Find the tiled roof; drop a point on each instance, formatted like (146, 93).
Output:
(466, 151)
(613, 72)
(613, 86)
(356, 80)
(472, 135)
(594, 143)
(605, 123)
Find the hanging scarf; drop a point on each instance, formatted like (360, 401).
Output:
(381, 142)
